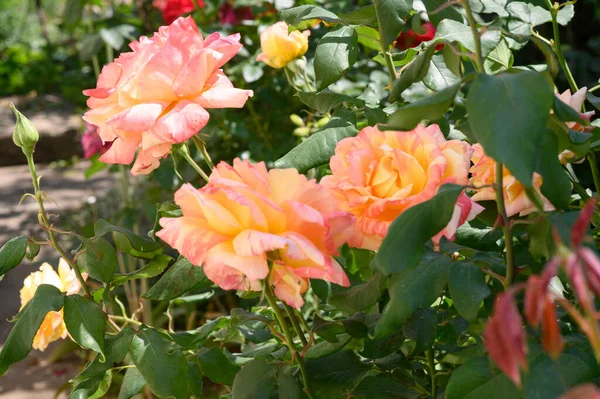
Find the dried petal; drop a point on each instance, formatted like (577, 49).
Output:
(582, 224)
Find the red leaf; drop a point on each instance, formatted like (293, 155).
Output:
(575, 273)
(536, 292)
(585, 391)
(592, 271)
(551, 337)
(582, 224)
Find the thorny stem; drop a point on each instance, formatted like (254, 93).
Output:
(506, 226)
(553, 8)
(476, 36)
(292, 316)
(432, 374)
(288, 336)
(43, 217)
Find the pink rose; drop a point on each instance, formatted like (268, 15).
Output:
(157, 95)
(92, 143)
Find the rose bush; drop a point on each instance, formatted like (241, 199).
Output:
(428, 236)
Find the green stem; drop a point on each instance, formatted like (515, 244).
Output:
(292, 316)
(288, 336)
(201, 145)
(431, 364)
(46, 223)
(125, 320)
(476, 36)
(593, 89)
(389, 62)
(591, 157)
(508, 244)
(185, 153)
(553, 8)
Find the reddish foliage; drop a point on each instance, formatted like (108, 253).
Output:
(582, 224)
(551, 337)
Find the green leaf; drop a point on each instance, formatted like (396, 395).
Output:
(89, 46)
(439, 76)
(47, 298)
(565, 113)
(446, 13)
(179, 279)
(288, 385)
(414, 72)
(103, 386)
(421, 327)
(381, 347)
(412, 290)
(391, 15)
(12, 253)
(375, 116)
(216, 366)
(195, 378)
(326, 100)
(320, 147)
(325, 348)
(133, 383)
(369, 37)
(499, 59)
(127, 241)
(336, 53)
(99, 259)
(549, 55)
(335, 375)
(361, 16)
(256, 380)
(543, 381)
(453, 31)
(404, 244)
(72, 12)
(556, 185)
(383, 386)
(294, 16)
(475, 379)
(85, 322)
(359, 297)
(429, 108)
(467, 288)
(155, 267)
(161, 364)
(594, 100)
(525, 99)
(33, 249)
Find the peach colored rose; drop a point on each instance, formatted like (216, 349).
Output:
(576, 102)
(53, 327)
(377, 175)
(157, 95)
(279, 47)
(246, 216)
(516, 201)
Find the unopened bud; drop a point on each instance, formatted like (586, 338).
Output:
(323, 121)
(296, 120)
(25, 134)
(301, 131)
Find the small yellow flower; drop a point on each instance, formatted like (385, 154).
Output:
(279, 47)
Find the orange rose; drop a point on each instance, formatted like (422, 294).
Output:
(377, 175)
(53, 327)
(279, 47)
(246, 216)
(515, 198)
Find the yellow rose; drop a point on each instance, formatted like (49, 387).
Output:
(53, 327)
(279, 47)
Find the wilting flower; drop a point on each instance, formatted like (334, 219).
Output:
(410, 38)
(504, 338)
(53, 327)
(229, 14)
(377, 175)
(279, 47)
(157, 95)
(245, 217)
(515, 198)
(92, 143)
(173, 9)
(576, 102)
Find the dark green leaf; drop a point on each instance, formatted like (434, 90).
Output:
(89, 46)
(475, 380)
(543, 381)
(565, 113)
(549, 54)
(33, 249)
(361, 16)
(288, 385)
(446, 13)
(414, 72)
(383, 386)
(412, 290)
(99, 259)
(375, 116)
(162, 365)
(326, 100)
(429, 108)
(556, 183)
(454, 31)
(12, 253)
(405, 242)
(294, 16)
(421, 327)
(335, 375)
(359, 297)
(195, 377)
(326, 348)
(320, 147)
(155, 267)
(179, 279)
(594, 100)
(216, 366)
(256, 380)
(85, 322)
(524, 99)
(47, 298)
(391, 15)
(467, 288)
(72, 12)
(127, 241)
(191, 339)
(133, 383)
(335, 54)
(381, 347)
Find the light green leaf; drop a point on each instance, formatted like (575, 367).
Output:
(294, 16)
(414, 72)
(452, 31)
(361, 16)
(439, 76)
(133, 383)
(335, 54)
(369, 37)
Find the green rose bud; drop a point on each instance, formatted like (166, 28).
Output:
(25, 134)
(296, 120)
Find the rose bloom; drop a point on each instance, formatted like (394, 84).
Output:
(229, 14)
(576, 102)
(53, 327)
(516, 201)
(92, 143)
(377, 175)
(279, 47)
(246, 216)
(173, 9)
(157, 95)
(410, 38)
